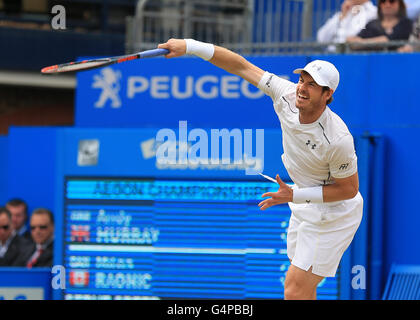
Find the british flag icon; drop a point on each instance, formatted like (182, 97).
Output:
(79, 233)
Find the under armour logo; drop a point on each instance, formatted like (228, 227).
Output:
(314, 66)
(343, 166)
(312, 146)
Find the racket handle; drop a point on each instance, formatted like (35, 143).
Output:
(153, 53)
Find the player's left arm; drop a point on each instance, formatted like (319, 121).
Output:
(342, 189)
(343, 168)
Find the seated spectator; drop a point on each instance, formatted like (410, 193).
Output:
(413, 9)
(40, 252)
(19, 210)
(392, 25)
(352, 18)
(10, 243)
(414, 40)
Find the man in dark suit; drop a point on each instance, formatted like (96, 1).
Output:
(40, 252)
(10, 243)
(19, 210)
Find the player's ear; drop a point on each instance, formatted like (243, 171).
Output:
(327, 92)
(330, 93)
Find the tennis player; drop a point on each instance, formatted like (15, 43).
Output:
(319, 156)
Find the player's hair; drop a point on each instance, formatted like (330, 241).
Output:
(44, 211)
(402, 12)
(327, 89)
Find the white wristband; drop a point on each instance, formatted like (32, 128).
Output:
(308, 195)
(200, 49)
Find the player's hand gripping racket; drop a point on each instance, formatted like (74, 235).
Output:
(98, 63)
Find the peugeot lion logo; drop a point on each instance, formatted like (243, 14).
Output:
(109, 81)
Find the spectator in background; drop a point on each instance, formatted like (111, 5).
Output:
(414, 40)
(19, 210)
(39, 253)
(10, 243)
(392, 25)
(352, 18)
(413, 9)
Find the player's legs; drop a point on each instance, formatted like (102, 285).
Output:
(300, 284)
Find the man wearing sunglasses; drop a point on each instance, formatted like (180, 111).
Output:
(10, 243)
(40, 252)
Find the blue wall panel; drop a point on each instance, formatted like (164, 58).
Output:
(3, 170)
(393, 99)
(401, 194)
(31, 166)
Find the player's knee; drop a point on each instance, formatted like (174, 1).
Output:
(293, 291)
(295, 288)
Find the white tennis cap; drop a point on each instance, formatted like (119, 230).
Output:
(323, 72)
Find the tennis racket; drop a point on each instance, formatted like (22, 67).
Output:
(268, 178)
(102, 62)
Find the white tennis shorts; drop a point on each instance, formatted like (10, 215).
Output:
(321, 240)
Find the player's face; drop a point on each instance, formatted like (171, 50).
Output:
(308, 93)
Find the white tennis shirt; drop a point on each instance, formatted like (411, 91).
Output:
(315, 153)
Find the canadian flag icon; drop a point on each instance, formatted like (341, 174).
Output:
(79, 278)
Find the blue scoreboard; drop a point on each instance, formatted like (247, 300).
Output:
(144, 238)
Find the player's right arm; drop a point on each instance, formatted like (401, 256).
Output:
(236, 64)
(222, 58)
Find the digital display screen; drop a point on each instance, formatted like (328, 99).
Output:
(175, 239)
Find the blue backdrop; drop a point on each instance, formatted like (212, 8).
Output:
(3, 169)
